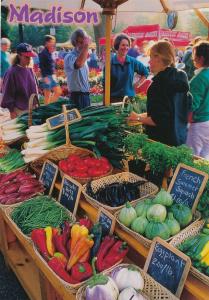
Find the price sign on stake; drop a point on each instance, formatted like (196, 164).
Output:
(106, 220)
(48, 176)
(168, 266)
(187, 185)
(58, 121)
(70, 194)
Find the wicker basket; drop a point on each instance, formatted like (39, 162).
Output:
(9, 210)
(57, 154)
(181, 237)
(146, 189)
(152, 289)
(73, 288)
(146, 242)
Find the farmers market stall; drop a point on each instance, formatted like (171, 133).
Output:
(34, 227)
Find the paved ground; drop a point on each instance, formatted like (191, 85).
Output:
(10, 288)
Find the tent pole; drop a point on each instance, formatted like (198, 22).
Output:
(203, 19)
(108, 30)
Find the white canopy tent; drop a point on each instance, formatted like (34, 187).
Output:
(128, 5)
(111, 7)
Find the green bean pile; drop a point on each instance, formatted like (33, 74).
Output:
(39, 212)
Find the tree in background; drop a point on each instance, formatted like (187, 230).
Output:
(5, 28)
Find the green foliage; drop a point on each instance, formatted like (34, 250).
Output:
(5, 28)
(134, 142)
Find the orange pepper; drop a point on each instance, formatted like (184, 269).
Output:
(82, 246)
(77, 232)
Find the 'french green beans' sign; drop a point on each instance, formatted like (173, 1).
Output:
(187, 185)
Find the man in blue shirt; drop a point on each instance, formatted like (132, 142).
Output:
(76, 69)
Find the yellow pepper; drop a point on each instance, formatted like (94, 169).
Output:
(49, 241)
(205, 260)
(205, 250)
(77, 232)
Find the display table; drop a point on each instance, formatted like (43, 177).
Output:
(41, 284)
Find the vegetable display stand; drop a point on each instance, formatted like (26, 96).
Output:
(37, 280)
(57, 154)
(147, 242)
(146, 189)
(188, 233)
(194, 289)
(152, 290)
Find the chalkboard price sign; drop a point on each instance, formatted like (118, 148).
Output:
(168, 266)
(70, 194)
(187, 185)
(48, 176)
(107, 221)
(58, 121)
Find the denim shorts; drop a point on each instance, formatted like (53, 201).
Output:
(52, 82)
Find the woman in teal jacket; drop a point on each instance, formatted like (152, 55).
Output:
(198, 135)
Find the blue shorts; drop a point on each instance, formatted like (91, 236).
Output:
(52, 82)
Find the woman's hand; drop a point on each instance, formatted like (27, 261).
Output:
(133, 116)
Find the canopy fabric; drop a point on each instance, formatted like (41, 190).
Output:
(129, 6)
(154, 32)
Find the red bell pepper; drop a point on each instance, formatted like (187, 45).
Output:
(81, 271)
(57, 266)
(104, 248)
(86, 222)
(115, 254)
(59, 245)
(38, 236)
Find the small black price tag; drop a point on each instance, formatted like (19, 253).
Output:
(70, 194)
(48, 176)
(58, 121)
(107, 220)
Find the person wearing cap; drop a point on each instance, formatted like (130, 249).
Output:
(76, 69)
(5, 57)
(19, 82)
(52, 90)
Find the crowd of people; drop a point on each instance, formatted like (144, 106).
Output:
(177, 97)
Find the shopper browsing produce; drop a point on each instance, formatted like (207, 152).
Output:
(198, 137)
(168, 101)
(19, 82)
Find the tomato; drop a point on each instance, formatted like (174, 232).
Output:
(105, 168)
(81, 168)
(95, 172)
(70, 166)
(63, 165)
(73, 158)
(79, 174)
